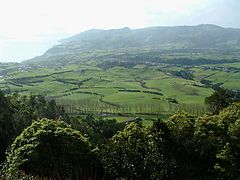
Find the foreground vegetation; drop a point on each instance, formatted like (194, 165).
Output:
(184, 146)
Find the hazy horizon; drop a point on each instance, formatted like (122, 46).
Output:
(29, 28)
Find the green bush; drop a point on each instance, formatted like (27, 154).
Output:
(49, 148)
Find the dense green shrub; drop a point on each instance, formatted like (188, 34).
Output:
(124, 155)
(49, 148)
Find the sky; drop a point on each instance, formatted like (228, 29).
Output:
(29, 27)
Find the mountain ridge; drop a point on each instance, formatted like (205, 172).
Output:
(202, 36)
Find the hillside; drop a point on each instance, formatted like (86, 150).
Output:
(105, 44)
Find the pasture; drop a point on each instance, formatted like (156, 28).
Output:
(142, 90)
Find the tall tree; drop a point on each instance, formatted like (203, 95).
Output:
(218, 100)
(124, 155)
(6, 125)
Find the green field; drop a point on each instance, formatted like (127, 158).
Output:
(142, 89)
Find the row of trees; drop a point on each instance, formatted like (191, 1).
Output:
(94, 107)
